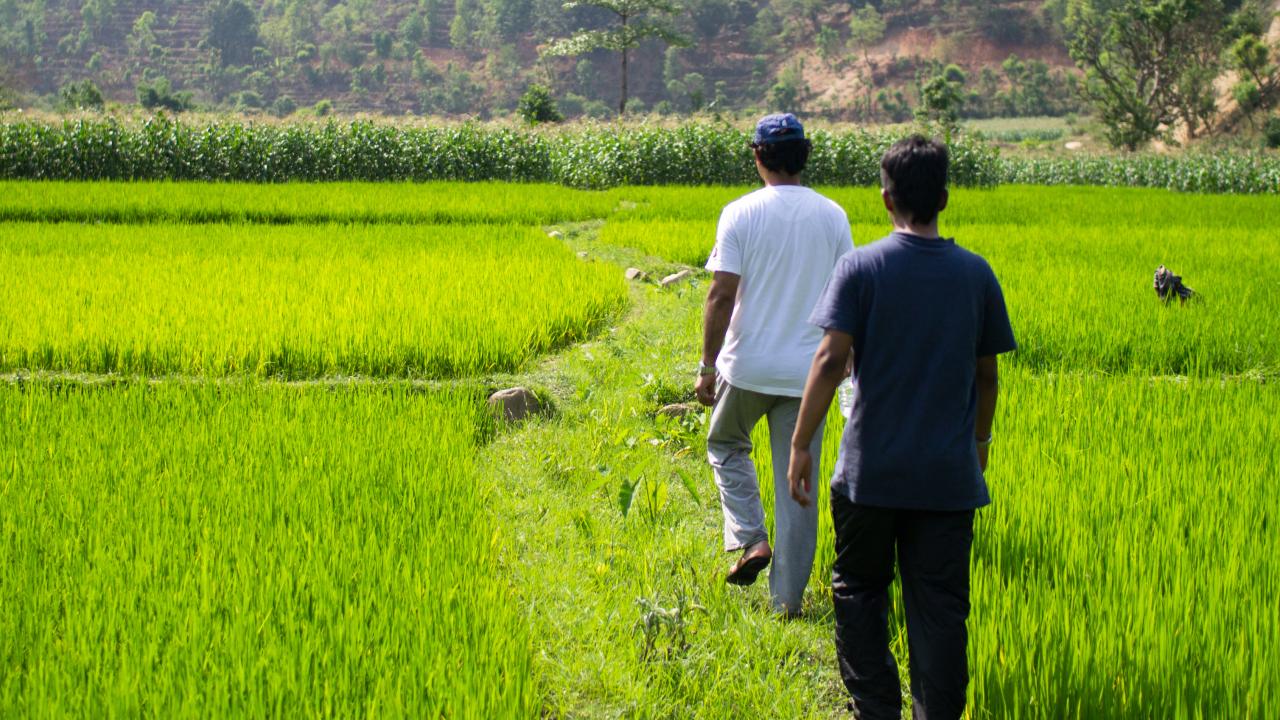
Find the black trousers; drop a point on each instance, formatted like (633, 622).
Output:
(933, 556)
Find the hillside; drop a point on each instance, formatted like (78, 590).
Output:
(475, 57)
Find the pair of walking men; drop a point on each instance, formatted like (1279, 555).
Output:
(917, 322)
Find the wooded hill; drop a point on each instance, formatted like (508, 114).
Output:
(476, 57)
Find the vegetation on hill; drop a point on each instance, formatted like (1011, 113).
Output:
(477, 56)
(1171, 70)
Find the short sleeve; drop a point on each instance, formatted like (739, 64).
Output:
(726, 256)
(839, 307)
(843, 234)
(997, 333)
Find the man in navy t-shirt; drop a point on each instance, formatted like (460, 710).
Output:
(924, 320)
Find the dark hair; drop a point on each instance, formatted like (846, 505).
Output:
(914, 173)
(788, 156)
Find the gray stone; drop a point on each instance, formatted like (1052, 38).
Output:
(674, 278)
(637, 274)
(555, 234)
(679, 410)
(515, 403)
(1074, 145)
(582, 254)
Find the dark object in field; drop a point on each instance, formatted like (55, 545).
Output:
(1167, 285)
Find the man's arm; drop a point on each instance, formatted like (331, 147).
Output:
(825, 375)
(987, 378)
(715, 323)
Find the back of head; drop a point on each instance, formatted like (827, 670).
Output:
(780, 144)
(914, 174)
(788, 157)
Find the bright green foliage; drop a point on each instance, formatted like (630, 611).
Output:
(237, 550)
(431, 202)
(1128, 567)
(1074, 207)
(297, 301)
(241, 548)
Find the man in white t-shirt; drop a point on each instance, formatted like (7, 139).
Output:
(774, 250)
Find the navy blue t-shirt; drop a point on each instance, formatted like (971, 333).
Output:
(921, 312)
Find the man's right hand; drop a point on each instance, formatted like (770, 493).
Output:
(983, 451)
(705, 388)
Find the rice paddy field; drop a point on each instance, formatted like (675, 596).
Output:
(246, 467)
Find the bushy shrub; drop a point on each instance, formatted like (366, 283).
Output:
(83, 95)
(537, 106)
(284, 106)
(159, 95)
(1271, 131)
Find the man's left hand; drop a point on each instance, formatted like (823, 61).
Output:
(798, 474)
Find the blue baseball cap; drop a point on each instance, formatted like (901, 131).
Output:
(778, 127)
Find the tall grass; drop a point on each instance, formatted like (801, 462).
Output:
(249, 551)
(595, 157)
(292, 302)
(161, 148)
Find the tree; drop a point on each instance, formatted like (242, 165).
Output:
(83, 95)
(8, 95)
(790, 89)
(941, 99)
(233, 32)
(827, 41)
(159, 94)
(142, 38)
(866, 29)
(462, 29)
(1143, 60)
(636, 20)
(1251, 57)
(1271, 132)
(537, 106)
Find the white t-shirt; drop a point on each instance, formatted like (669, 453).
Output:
(783, 240)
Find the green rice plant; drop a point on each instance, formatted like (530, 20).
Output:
(293, 302)
(235, 550)
(1076, 267)
(1007, 205)
(1082, 298)
(683, 241)
(1127, 566)
(430, 202)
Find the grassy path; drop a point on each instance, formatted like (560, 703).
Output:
(629, 613)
